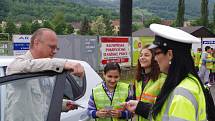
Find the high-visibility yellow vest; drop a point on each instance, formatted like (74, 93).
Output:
(213, 69)
(209, 65)
(185, 103)
(150, 91)
(197, 58)
(102, 100)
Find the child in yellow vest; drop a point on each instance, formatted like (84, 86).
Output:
(149, 80)
(206, 65)
(104, 103)
(197, 58)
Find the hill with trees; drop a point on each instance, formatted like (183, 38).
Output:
(166, 9)
(76, 10)
(29, 15)
(28, 10)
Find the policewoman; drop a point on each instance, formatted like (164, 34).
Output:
(105, 101)
(149, 80)
(181, 97)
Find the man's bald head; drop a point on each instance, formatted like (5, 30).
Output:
(38, 34)
(44, 43)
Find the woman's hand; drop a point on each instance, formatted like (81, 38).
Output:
(102, 113)
(115, 113)
(131, 105)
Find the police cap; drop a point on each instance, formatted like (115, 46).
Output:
(169, 37)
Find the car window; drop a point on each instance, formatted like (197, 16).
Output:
(27, 96)
(75, 87)
(35, 96)
(46, 90)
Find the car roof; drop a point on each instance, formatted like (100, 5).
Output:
(6, 60)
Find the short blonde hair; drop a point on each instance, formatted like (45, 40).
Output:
(38, 34)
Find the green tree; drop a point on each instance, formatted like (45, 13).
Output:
(69, 29)
(4, 9)
(10, 28)
(214, 16)
(136, 26)
(213, 19)
(109, 27)
(60, 29)
(180, 14)
(25, 29)
(60, 23)
(1, 29)
(196, 22)
(151, 20)
(98, 26)
(48, 24)
(34, 26)
(85, 27)
(58, 18)
(204, 13)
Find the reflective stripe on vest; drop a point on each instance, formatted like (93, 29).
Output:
(147, 97)
(185, 93)
(102, 100)
(151, 90)
(176, 119)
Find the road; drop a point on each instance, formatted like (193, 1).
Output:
(212, 89)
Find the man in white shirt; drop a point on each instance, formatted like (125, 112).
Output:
(24, 104)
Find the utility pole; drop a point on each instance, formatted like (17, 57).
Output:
(125, 17)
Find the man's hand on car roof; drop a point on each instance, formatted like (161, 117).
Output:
(76, 68)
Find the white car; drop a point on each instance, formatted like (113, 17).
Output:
(75, 89)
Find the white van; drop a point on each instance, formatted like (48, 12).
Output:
(66, 85)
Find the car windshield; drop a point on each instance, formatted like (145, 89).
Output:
(27, 99)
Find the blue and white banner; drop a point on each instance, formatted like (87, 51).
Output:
(209, 42)
(21, 44)
(205, 42)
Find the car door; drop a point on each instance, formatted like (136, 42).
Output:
(91, 80)
(37, 96)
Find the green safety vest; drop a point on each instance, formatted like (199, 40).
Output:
(209, 65)
(150, 91)
(102, 100)
(186, 103)
(197, 58)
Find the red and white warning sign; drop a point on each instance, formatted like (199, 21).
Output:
(115, 49)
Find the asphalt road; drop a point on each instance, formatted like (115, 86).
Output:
(212, 89)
